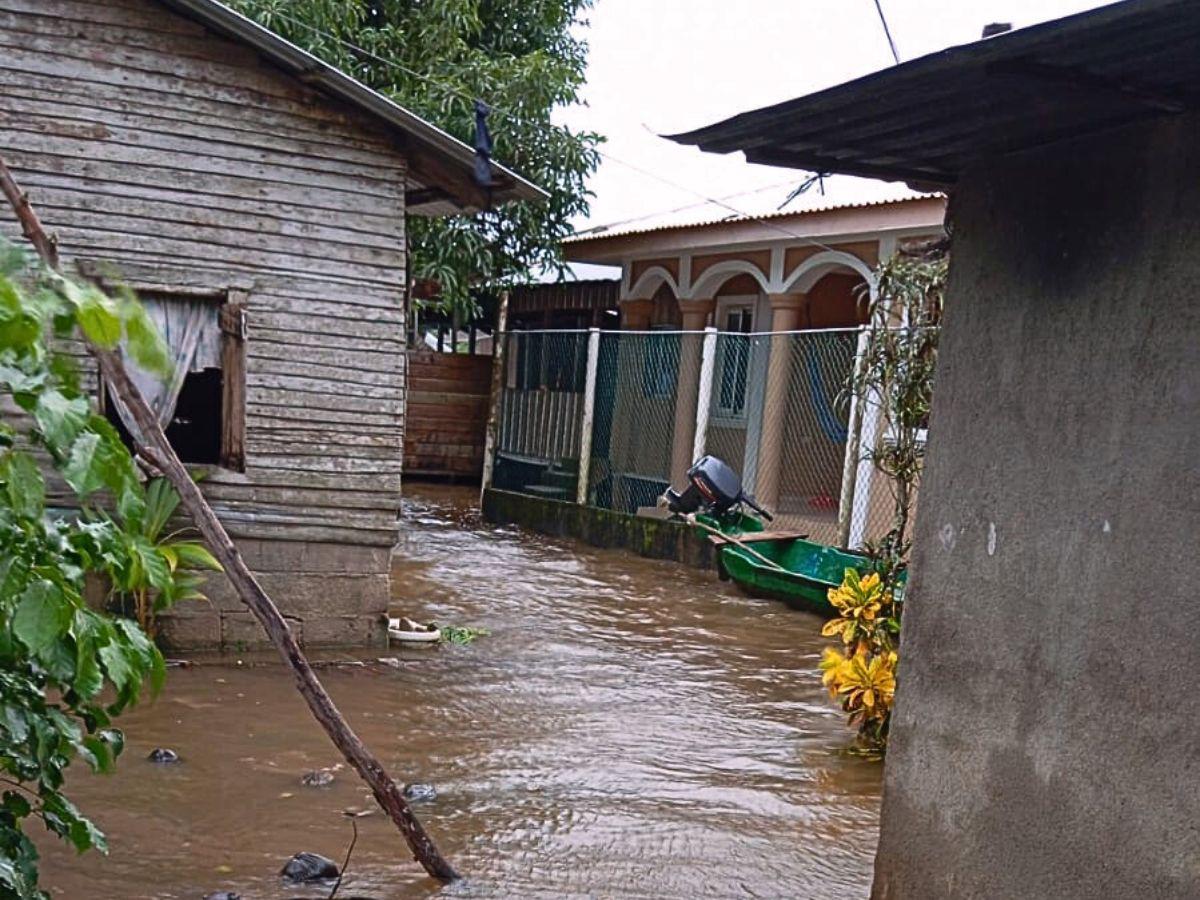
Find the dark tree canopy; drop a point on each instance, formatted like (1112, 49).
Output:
(435, 57)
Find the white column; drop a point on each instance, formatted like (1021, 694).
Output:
(708, 365)
(868, 431)
(850, 461)
(866, 471)
(589, 409)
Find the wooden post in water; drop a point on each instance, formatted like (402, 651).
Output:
(158, 451)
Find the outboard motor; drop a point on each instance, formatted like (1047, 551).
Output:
(713, 487)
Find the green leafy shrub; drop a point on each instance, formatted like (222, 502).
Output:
(896, 372)
(862, 675)
(67, 670)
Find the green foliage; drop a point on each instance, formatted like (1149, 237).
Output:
(459, 634)
(162, 568)
(861, 675)
(897, 373)
(66, 670)
(435, 57)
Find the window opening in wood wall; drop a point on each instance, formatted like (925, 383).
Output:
(202, 407)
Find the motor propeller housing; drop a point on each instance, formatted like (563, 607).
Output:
(712, 487)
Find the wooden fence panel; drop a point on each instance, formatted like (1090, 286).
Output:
(447, 414)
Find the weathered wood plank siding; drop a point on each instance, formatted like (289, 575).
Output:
(183, 160)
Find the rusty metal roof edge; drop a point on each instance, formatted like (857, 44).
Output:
(749, 218)
(717, 136)
(221, 18)
(571, 282)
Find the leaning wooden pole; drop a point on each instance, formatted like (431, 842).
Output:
(160, 453)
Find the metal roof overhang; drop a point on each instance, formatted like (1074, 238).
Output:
(924, 121)
(839, 223)
(440, 164)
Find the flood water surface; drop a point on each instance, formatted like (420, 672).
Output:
(628, 729)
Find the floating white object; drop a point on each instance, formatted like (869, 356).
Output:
(411, 632)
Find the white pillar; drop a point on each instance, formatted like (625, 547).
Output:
(708, 365)
(866, 470)
(850, 460)
(589, 409)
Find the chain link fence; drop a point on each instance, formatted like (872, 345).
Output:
(773, 406)
(540, 413)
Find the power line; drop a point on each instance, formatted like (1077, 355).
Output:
(505, 112)
(605, 226)
(887, 31)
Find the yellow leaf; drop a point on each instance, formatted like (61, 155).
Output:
(832, 627)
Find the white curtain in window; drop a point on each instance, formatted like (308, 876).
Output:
(193, 335)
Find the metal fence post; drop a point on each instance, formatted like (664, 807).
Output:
(853, 437)
(589, 409)
(491, 433)
(708, 365)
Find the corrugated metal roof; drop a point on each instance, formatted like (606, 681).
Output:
(603, 233)
(220, 18)
(925, 120)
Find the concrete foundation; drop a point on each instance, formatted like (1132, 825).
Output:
(1047, 733)
(653, 538)
(333, 595)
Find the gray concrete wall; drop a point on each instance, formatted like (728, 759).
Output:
(1047, 732)
(652, 538)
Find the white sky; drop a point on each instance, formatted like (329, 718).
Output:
(665, 66)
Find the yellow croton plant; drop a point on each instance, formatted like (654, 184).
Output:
(862, 675)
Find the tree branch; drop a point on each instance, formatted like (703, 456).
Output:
(158, 450)
(31, 226)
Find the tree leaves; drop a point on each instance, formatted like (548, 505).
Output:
(23, 484)
(56, 654)
(60, 419)
(143, 342)
(42, 615)
(436, 57)
(84, 470)
(97, 315)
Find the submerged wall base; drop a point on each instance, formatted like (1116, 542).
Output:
(333, 595)
(653, 538)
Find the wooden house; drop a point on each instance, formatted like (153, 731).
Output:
(256, 198)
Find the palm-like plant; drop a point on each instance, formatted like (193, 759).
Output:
(163, 568)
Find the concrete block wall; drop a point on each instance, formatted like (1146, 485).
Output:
(332, 595)
(1046, 741)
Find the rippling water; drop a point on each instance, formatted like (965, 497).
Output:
(630, 729)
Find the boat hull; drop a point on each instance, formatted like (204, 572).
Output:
(810, 570)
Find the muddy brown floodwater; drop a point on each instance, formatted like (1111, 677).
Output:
(629, 729)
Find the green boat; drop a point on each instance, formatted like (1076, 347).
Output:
(803, 571)
(807, 571)
(776, 564)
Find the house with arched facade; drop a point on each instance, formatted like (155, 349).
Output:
(785, 293)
